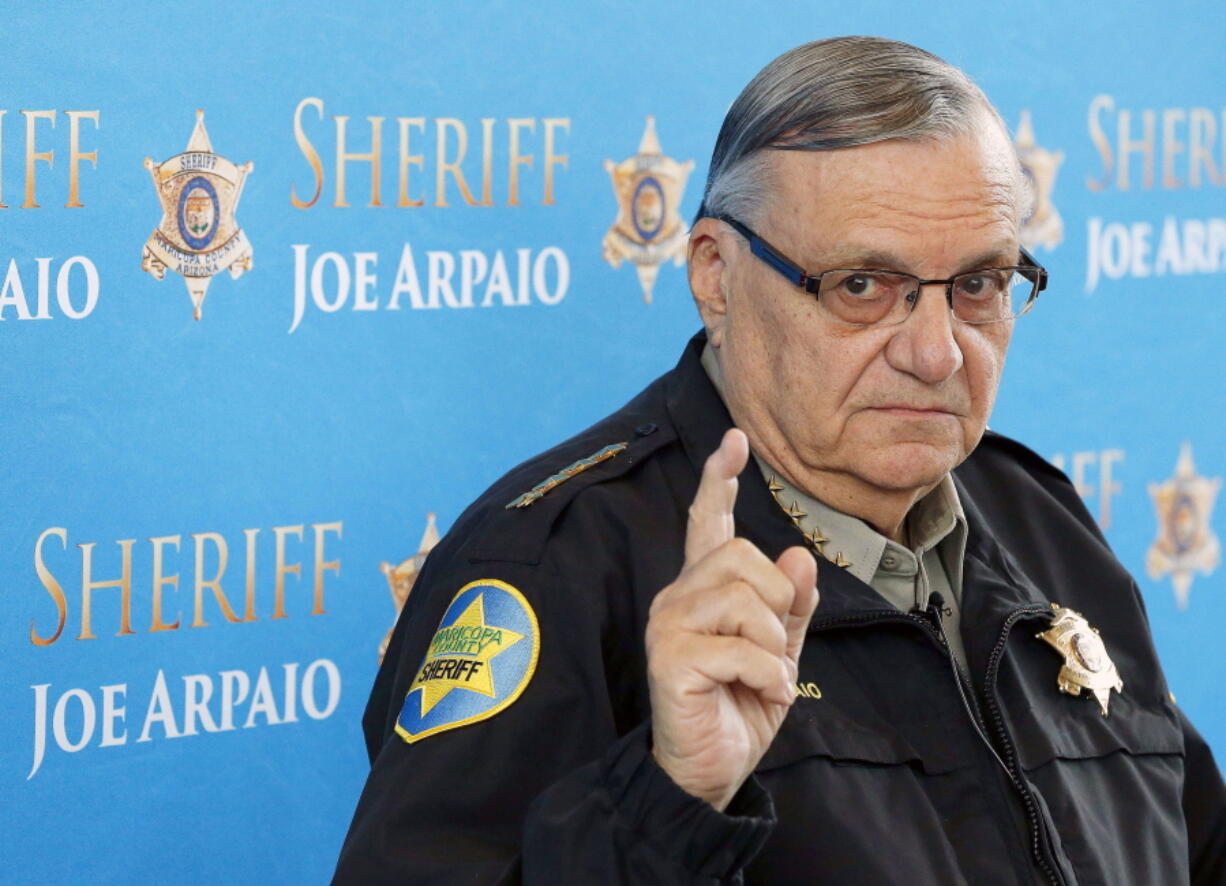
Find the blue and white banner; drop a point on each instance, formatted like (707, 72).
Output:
(283, 288)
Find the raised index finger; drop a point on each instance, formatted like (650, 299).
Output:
(710, 523)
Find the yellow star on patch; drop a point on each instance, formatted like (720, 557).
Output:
(460, 654)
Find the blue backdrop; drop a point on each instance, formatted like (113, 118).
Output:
(207, 523)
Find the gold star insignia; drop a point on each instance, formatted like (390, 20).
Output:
(460, 655)
(813, 537)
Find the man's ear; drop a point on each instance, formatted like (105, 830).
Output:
(709, 241)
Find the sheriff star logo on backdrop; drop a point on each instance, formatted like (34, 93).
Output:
(198, 235)
(648, 230)
(402, 576)
(1043, 226)
(1185, 543)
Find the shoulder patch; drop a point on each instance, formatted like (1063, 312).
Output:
(479, 662)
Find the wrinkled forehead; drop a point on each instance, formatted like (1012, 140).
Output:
(972, 174)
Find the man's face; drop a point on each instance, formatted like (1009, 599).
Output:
(893, 407)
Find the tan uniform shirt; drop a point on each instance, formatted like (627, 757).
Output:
(906, 576)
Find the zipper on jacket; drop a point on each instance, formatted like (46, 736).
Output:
(966, 689)
(931, 624)
(997, 720)
(1009, 762)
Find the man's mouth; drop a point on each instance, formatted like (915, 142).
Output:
(908, 411)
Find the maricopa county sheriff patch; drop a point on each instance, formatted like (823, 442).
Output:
(480, 660)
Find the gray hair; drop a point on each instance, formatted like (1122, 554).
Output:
(831, 94)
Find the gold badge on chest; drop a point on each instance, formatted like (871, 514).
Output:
(1086, 662)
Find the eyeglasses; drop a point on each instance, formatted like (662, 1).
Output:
(866, 297)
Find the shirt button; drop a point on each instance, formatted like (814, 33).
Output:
(646, 429)
(889, 561)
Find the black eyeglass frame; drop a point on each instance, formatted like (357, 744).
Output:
(811, 283)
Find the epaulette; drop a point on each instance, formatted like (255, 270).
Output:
(516, 527)
(537, 492)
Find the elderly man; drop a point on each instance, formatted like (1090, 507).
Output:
(615, 668)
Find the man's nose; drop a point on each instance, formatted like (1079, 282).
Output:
(924, 345)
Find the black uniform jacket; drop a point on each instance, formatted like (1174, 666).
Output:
(890, 768)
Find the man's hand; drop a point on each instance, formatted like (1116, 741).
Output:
(723, 642)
